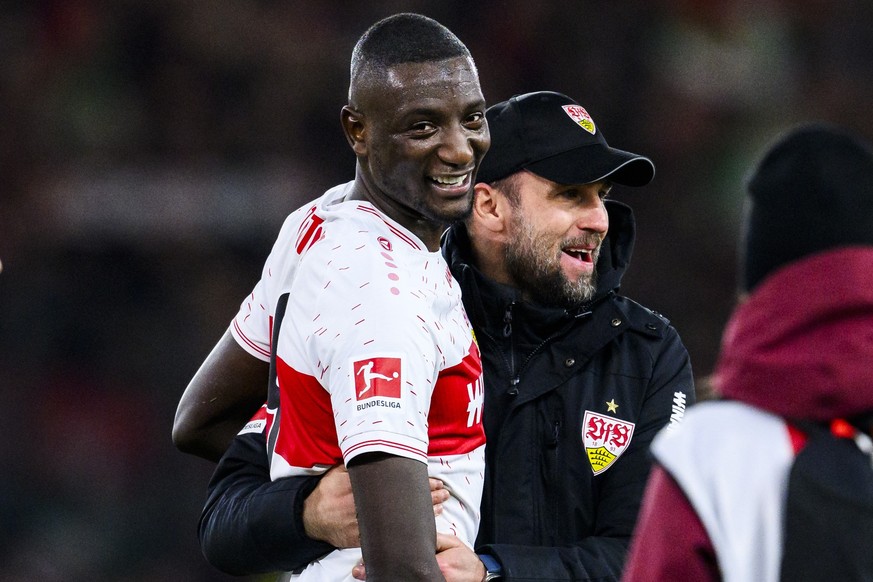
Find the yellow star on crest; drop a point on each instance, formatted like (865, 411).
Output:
(612, 406)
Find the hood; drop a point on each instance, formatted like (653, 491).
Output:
(802, 345)
(618, 246)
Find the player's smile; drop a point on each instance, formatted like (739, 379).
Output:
(421, 140)
(452, 184)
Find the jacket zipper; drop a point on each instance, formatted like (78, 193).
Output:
(555, 481)
(514, 374)
(507, 333)
(515, 379)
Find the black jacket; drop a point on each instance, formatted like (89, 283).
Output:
(545, 514)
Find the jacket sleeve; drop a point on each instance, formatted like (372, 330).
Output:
(619, 490)
(595, 558)
(251, 524)
(670, 542)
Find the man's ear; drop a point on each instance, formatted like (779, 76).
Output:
(353, 127)
(490, 208)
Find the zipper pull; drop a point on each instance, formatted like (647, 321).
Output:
(556, 435)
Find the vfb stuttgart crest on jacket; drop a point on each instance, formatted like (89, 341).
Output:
(605, 439)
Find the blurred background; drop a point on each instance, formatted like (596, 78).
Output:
(149, 151)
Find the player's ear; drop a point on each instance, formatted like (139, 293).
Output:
(490, 208)
(353, 127)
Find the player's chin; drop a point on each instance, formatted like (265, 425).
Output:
(452, 210)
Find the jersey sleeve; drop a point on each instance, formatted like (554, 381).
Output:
(368, 337)
(252, 326)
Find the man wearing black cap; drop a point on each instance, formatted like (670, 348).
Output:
(578, 379)
(795, 363)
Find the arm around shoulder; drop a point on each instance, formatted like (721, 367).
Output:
(251, 524)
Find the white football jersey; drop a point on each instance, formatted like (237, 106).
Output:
(374, 353)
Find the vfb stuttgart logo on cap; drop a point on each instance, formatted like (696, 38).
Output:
(377, 376)
(605, 439)
(578, 114)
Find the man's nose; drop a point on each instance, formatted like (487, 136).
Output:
(457, 147)
(593, 217)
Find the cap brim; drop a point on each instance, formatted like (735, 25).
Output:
(592, 163)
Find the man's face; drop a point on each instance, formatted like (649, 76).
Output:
(554, 238)
(425, 133)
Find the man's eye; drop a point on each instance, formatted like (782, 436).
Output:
(422, 127)
(476, 120)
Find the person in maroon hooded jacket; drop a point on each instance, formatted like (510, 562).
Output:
(796, 354)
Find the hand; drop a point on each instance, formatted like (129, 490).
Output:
(457, 561)
(329, 511)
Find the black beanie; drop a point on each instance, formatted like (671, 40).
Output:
(812, 191)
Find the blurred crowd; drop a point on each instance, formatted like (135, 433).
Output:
(149, 151)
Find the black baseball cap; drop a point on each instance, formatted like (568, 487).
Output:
(554, 137)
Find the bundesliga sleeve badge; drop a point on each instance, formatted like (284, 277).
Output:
(378, 381)
(605, 438)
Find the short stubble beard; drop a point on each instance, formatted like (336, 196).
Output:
(537, 271)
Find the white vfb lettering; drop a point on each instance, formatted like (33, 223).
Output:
(678, 410)
(477, 399)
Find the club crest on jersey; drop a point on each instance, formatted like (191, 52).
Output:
(385, 243)
(377, 379)
(605, 438)
(578, 114)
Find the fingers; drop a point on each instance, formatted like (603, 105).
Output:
(329, 511)
(438, 494)
(338, 473)
(457, 561)
(359, 572)
(447, 542)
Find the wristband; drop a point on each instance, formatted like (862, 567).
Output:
(493, 569)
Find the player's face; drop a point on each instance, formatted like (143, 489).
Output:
(555, 236)
(426, 134)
